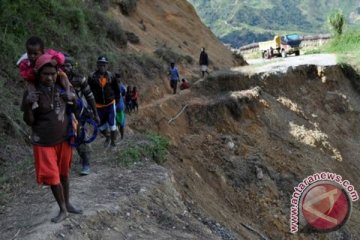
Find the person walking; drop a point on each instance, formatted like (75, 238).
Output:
(204, 62)
(49, 123)
(84, 94)
(174, 77)
(120, 107)
(106, 91)
(134, 99)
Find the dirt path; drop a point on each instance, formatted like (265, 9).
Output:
(136, 202)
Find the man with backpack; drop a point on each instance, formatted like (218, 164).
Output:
(107, 93)
(87, 111)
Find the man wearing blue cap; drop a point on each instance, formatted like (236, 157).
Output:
(106, 92)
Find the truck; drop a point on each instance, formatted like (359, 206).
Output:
(281, 46)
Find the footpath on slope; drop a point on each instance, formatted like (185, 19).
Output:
(136, 202)
(139, 202)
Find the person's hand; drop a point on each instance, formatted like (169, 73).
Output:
(32, 97)
(68, 96)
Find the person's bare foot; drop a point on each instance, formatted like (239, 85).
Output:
(61, 217)
(71, 209)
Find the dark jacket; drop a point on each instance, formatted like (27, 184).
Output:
(107, 93)
(84, 93)
(49, 122)
(204, 60)
(81, 87)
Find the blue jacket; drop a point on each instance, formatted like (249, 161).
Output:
(174, 74)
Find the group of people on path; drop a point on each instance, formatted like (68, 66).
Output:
(174, 75)
(58, 101)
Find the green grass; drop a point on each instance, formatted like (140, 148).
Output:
(152, 146)
(349, 41)
(347, 48)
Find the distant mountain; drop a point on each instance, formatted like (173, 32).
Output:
(240, 22)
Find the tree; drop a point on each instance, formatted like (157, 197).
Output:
(336, 21)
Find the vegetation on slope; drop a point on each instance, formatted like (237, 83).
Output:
(83, 29)
(347, 48)
(243, 22)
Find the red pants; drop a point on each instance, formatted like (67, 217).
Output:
(51, 162)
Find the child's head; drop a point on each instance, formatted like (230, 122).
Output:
(172, 64)
(183, 80)
(34, 48)
(134, 89)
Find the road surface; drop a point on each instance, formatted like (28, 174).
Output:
(282, 64)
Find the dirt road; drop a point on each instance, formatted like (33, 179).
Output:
(282, 64)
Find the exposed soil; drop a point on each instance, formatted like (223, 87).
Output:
(288, 119)
(223, 130)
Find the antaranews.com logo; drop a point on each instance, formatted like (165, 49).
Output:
(322, 202)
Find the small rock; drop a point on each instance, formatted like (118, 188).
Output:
(259, 173)
(142, 190)
(62, 235)
(128, 214)
(230, 145)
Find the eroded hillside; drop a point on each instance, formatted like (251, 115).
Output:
(223, 131)
(290, 125)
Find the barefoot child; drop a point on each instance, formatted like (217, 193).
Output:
(35, 48)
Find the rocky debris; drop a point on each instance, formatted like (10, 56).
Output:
(314, 138)
(259, 173)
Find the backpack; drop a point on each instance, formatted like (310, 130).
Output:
(86, 129)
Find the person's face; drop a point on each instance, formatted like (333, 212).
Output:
(68, 68)
(102, 67)
(48, 76)
(33, 52)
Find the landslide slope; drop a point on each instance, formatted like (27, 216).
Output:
(289, 124)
